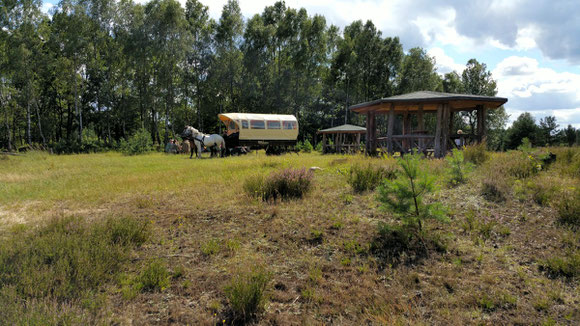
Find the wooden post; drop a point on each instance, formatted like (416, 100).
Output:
(421, 126)
(445, 129)
(438, 131)
(368, 134)
(373, 140)
(481, 127)
(390, 126)
(357, 143)
(323, 143)
(406, 130)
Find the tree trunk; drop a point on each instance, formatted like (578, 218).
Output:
(77, 108)
(28, 122)
(40, 124)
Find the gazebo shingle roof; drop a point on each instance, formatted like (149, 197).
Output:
(429, 101)
(343, 129)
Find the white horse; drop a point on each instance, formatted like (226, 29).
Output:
(200, 139)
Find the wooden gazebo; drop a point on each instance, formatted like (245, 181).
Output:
(345, 138)
(444, 105)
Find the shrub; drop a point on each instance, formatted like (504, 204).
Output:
(363, 178)
(457, 168)
(154, 277)
(139, 143)
(568, 207)
(65, 260)
(492, 191)
(567, 266)
(405, 195)
(247, 294)
(284, 184)
(476, 154)
(307, 146)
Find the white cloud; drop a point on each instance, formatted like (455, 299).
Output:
(542, 91)
(445, 63)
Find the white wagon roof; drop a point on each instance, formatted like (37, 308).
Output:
(256, 116)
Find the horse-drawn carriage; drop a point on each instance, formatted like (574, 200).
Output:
(276, 133)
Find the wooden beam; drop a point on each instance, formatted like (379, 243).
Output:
(445, 129)
(421, 126)
(390, 126)
(368, 134)
(406, 130)
(373, 133)
(481, 125)
(438, 131)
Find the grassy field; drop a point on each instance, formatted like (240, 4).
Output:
(161, 239)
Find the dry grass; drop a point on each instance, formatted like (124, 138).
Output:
(316, 249)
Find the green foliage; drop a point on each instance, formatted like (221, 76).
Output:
(524, 127)
(405, 195)
(247, 293)
(139, 143)
(568, 207)
(566, 266)
(154, 277)
(363, 178)
(476, 154)
(284, 184)
(65, 260)
(458, 168)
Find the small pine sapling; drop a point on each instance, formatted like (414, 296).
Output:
(405, 195)
(458, 168)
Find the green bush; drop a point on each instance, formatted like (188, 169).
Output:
(476, 154)
(64, 261)
(307, 146)
(139, 143)
(247, 294)
(492, 191)
(568, 207)
(284, 184)
(567, 266)
(458, 168)
(363, 178)
(154, 277)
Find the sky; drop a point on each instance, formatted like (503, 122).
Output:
(532, 47)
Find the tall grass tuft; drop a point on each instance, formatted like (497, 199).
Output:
(363, 178)
(284, 184)
(247, 294)
(568, 207)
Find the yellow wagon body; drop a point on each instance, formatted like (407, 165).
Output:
(261, 127)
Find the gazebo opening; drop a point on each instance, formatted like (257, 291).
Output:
(442, 105)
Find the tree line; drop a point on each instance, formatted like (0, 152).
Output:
(93, 72)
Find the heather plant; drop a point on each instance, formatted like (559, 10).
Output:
(458, 168)
(285, 184)
(405, 195)
(476, 154)
(363, 178)
(247, 294)
(568, 207)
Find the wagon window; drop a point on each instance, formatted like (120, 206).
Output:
(257, 124)
(245, 124)
(274, 125)
(232, 126)
(290, 125)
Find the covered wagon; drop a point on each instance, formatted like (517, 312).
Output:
(274, 132)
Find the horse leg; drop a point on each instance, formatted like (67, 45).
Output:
(191, 155)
